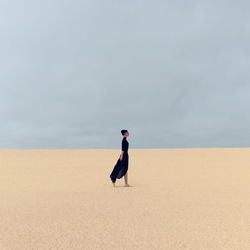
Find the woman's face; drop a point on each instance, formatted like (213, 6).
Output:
(127, 133)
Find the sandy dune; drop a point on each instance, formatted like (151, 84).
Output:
(179, 199)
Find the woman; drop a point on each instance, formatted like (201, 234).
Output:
(121, 167)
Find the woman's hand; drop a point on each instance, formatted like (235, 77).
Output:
(120, 157)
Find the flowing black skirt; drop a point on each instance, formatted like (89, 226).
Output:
(120, 168)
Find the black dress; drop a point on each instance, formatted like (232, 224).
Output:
(121, 166)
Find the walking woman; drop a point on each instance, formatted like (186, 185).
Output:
(121, 166)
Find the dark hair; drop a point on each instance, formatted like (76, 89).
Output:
(123, 131)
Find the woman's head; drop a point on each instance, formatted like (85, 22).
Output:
(125, 132)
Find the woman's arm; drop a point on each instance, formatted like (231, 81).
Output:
(121, 155)
(123, 148)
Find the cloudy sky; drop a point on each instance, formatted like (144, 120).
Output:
(74, 73)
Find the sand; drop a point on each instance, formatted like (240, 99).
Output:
(178, 199)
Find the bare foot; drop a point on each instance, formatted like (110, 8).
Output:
(127, 185)
(113, 184)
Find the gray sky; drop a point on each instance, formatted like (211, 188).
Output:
(174, 73)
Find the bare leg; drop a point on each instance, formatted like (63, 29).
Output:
(126, 179)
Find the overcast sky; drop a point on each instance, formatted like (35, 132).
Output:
(74, 73)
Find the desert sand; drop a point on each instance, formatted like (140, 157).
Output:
(195, 199)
